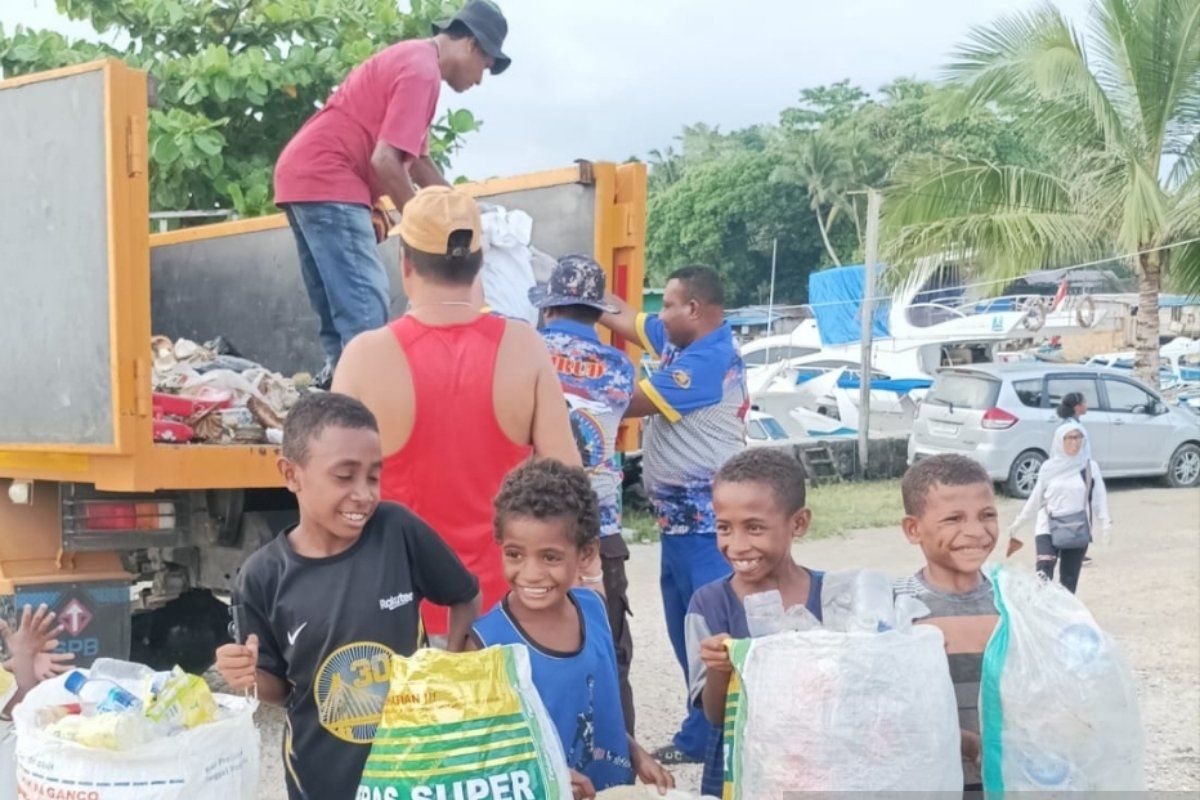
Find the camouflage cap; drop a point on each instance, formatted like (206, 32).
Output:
(576, 281)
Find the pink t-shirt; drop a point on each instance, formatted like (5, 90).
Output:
(390, 97)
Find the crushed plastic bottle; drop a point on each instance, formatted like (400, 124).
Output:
(764, 613)
(799, 618)
(858, 600)
(874, 604)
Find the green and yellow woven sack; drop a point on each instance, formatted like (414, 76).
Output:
(465, 726)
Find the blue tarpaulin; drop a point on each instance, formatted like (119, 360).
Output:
(850, 380)
(836, 299)
(898, 385)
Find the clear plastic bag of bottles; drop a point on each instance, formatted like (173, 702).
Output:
(1058, 705)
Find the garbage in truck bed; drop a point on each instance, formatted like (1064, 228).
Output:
(210, 394)
(511, 264)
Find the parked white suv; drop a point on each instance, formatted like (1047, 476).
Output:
(1003, 415)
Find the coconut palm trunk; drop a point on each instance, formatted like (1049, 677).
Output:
(1149, 287)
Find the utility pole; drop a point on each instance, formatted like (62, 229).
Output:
(771, 300)
(868, 325)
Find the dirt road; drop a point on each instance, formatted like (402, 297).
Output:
(1144, 589)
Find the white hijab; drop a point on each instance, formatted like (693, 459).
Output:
(1060, 464)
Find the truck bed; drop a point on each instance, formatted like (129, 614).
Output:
(84, 293)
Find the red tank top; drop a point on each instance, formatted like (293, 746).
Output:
(451, 467)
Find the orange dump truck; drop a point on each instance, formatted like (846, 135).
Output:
(134, 542)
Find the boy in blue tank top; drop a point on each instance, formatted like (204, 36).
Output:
(548, 526)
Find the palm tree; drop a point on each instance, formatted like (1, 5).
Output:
(1122, 116)
(666, 167)
(823, 167)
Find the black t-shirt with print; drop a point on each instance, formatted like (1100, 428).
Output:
(329, 627)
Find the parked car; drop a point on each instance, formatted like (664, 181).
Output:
(1003, 415)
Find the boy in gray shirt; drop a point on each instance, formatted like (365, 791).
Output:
(950, 513)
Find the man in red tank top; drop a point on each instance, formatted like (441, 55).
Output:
(461, 397)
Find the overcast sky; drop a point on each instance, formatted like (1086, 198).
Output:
(609, 79)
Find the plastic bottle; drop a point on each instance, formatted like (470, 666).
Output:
(873, 608)
(105, 694)
(129, 674)
(764, 613)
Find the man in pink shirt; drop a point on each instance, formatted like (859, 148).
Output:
(372, 139)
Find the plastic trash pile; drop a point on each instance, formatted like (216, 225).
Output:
(208, 393)
(111, 714)
(863, 702)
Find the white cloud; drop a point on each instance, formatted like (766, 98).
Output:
(615, 78)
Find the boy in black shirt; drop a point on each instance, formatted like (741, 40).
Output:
(329, 602)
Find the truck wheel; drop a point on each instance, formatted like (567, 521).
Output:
(186, 631)
(1022, 475)
(1183, 470)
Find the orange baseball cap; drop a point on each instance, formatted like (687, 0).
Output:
(434, 214)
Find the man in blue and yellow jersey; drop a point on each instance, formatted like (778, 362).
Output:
(696, 401)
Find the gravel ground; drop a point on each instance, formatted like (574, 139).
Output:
(1144, 589)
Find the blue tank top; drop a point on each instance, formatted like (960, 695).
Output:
(578, 689)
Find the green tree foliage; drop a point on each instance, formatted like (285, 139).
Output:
(725, 211)
(1120, 120)
(722, 197)
(235, 79)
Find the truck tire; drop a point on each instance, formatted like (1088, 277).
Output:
(186, 631)
(1183, 470)
(1022, 475)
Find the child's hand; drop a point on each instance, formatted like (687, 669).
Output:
(972, 747)
(50, 664)
(649, 770)
(581, 787)
(238, 663)
(35, 634)
(715, 656)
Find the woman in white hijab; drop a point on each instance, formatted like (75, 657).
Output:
(1070, 502)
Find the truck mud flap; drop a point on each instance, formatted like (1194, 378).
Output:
(95, 616)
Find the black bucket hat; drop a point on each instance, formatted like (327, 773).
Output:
(487, 24)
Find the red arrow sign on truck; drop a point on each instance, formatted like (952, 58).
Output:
(75, 617)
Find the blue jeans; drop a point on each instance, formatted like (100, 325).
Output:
(689, 561)
(339, 261)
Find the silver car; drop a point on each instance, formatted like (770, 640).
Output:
(1002, 415)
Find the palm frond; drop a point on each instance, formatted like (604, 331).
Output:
(1150, 64)
(1006, 220)
(1187, 164)
(1029, 58)
(1184, 269)
(1183, 218)
(1144, 211)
